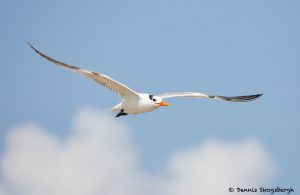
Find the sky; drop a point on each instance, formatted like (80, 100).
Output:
(216, 47)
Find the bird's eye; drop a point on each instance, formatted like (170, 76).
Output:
(151, 97)
(154, 99)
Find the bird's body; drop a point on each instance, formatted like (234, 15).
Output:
(137, 105)
(134, 102)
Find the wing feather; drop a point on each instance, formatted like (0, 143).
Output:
(244, 98)
(102, 79)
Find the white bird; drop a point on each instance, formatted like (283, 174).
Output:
(134, 102)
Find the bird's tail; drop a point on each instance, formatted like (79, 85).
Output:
(116, 108)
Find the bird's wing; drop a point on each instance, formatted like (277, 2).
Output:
(244, 98)
(102, 79)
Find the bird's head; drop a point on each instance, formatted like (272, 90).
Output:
(157, 101)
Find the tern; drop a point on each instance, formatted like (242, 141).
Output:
(134, 102)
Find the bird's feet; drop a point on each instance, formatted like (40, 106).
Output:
(121, 113)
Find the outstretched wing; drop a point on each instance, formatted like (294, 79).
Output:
(102, 79)
(244, 98)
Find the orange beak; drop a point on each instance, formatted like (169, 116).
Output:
(162, 103)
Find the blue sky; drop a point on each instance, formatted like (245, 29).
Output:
(217, 47)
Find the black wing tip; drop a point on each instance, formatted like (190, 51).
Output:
(245, 98)
(40, 53)
(30, 45)
(258, 95)
(37, 51)
(250, 97)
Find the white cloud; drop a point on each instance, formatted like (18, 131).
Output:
(213, 167)
(98, 158)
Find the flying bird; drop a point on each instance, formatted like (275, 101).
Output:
(134, 102)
